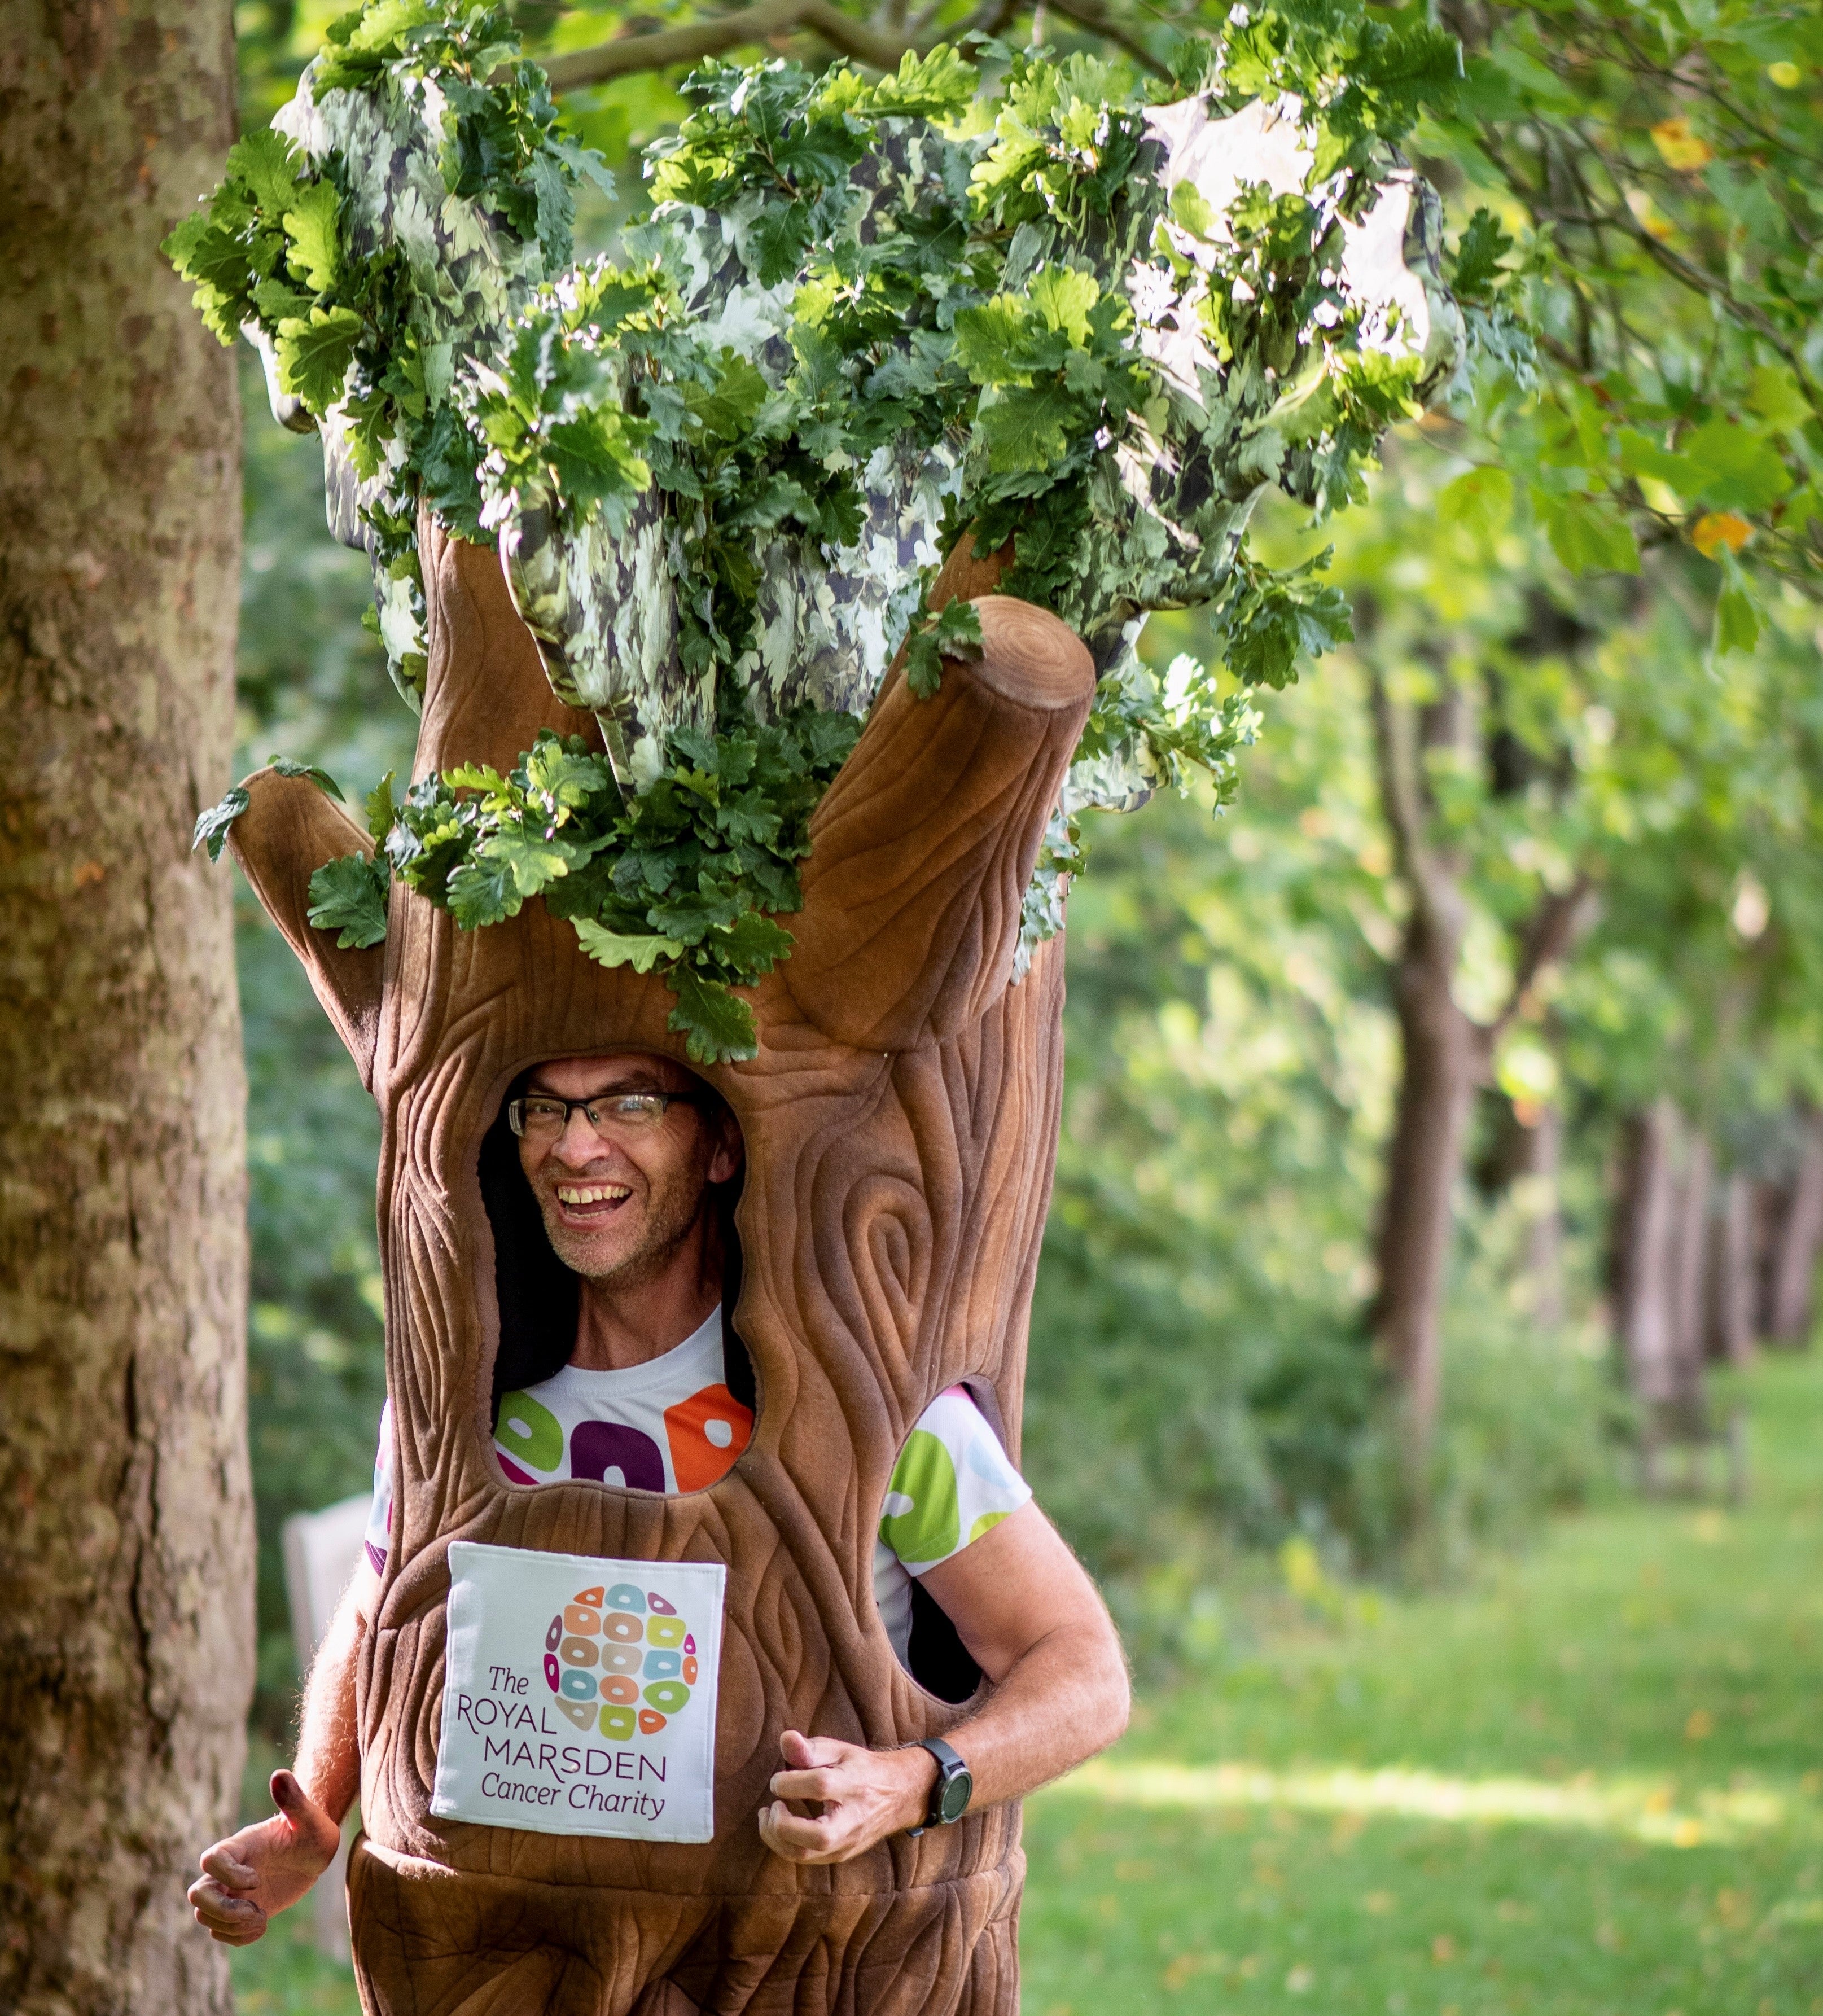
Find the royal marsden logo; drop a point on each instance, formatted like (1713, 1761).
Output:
(619, 1660)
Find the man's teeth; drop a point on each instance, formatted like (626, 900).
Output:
(575, 1193)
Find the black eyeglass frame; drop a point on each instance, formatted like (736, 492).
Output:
(515, 1107)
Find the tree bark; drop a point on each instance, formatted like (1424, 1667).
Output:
(1540, 1171)
(1731, 1274)
(126, 1579)
(1662, 1261)
(1444, 1054)
(1436, 1078)
(1438, 1072)
(1797, 1239)
(1689, 1264)
(1645, 1235)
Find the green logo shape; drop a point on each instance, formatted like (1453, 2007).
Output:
(929, 1527)
(532, 1432)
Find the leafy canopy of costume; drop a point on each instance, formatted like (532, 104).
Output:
(859, 322)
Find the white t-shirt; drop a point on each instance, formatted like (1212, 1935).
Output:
(672, 1425)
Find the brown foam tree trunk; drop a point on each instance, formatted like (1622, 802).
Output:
(900, 1121)
(126, 1570)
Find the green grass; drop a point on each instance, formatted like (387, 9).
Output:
(284, 1975)
(1591, 1782)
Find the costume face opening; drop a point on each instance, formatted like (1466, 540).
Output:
(539, 1294)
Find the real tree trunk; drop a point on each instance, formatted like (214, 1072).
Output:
(126, 1577)
(1442, 1054)
(1689, 1268)
(1661, 1263)
(1797, 1241)
(1645, 1233)
(1731, 1274)
(1438, 1068)
(1539, 1171)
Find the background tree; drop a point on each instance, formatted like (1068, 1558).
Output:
(127, 1578)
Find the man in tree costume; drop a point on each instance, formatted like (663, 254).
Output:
(649, 538)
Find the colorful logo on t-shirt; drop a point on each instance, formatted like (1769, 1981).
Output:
(620, 1659)
(705, 1432)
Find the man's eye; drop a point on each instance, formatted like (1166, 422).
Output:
(542, 1109)
(635, 1105)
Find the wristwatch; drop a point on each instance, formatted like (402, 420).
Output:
(954, 1788)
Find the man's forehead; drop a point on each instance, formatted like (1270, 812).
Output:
(576, 1077)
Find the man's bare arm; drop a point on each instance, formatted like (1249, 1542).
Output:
(1036, 1627)
(263, 1870)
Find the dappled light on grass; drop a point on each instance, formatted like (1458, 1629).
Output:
(1589, 1782)
(1637, 1808)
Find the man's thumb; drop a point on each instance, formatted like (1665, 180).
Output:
(296, 1804)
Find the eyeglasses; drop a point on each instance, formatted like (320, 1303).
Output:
(541, 1116)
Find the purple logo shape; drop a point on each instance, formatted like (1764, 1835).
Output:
(597, 1447)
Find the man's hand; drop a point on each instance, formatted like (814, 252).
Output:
(866, 1795)
(263, 1870)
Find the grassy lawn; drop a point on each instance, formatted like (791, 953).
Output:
(1591, 1784)
(1594, 1783)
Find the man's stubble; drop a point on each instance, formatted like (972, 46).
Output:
(673, 1208)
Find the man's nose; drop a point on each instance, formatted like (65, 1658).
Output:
(578, 1143)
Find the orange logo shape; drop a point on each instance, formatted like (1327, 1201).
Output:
(706, 1432)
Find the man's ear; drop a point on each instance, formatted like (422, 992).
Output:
(730, 1149)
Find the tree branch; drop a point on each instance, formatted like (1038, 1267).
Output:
(1090, 14)
(1549, 933)
(1398, 792)
(629, 54)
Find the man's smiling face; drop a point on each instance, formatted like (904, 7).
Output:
(618, 1208)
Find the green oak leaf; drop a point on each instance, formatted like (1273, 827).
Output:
(954, 633)
(717, 1026)
(348, 896)
(381, 810)
(310, 224)
(642, 952)
(314, 356)
(267, 163)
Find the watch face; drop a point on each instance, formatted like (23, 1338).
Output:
(953, 1801)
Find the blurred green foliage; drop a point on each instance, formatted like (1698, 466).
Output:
(313, 686)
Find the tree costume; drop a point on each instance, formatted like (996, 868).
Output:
(648, 539)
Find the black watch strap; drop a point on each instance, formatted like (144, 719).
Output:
(955, 1786)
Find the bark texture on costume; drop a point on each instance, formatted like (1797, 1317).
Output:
(900, 1123)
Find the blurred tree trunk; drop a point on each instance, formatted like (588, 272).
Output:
(1645, 1230)
(1731, 1274)
(1661, 1273)
(126, 1579)
(1438, 1070)
(1689, 1263)
(1798, 1235)
(1444, 1054)
(1540, 1170)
